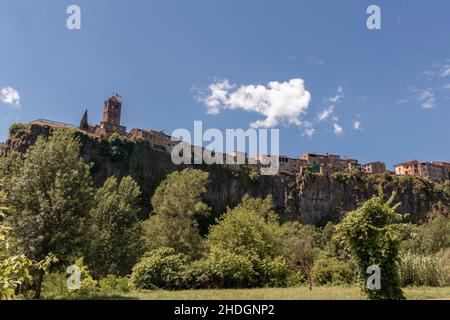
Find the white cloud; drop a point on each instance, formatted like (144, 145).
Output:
(219, 93)
(308, 129)
(437, 70)
(338, 97)
(427, 99)
(317, 61)
(279, 102)
(332, 101)
(10, 96)
(445, 72)
(429, 104)
(357, 125)
(338, 129)
(325, 114)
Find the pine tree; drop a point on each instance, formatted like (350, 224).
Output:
(84, 121)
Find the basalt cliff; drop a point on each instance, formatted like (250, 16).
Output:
(311, 198)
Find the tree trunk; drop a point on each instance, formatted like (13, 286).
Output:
(38, 285)
(310, 282)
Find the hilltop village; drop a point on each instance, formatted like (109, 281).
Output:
(326, 164)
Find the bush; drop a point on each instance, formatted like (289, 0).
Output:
(274, 272)
(295, 279)
(160, 269)
(444, 261)
(55, 285)
(112, 284)
(221, 269)
(420, 270)
(17, 130)
(428, 238)
(330, 270)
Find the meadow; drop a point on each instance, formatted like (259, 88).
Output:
(300, 293)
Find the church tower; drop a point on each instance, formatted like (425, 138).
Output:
(112, 110)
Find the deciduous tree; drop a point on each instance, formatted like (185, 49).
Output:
(177, 204)
(49, 200)
(114, 234)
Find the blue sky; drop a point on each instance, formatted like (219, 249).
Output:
(163, 55)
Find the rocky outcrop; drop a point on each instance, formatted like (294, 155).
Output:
(311, 199)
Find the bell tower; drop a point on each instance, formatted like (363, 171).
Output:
(112, 110)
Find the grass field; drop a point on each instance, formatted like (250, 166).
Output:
(302, 293)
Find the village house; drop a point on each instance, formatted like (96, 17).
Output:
(376, 167)
(445, 169)
(421, 169)
(328, 164)
(158, 139)
(289, 165)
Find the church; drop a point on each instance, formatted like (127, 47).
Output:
(112, 111)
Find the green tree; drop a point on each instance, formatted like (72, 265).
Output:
(372, 236)
(15, 271)
(177, 204)
(251, 230)
(244, 230)
(84, 121)
(434, 235)
(115, 231)
(49, 200)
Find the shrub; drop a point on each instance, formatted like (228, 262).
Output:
(113, 284)
(295, 279)
(274, 272)
(330, 270)
(221, 269)
(160, 269)
(428, 238)
(55, 286)
(435, 235)
(420, 270)
(17, 130)
(444, 261)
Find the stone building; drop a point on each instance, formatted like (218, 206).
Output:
(445, 168)
(432, 171)
(290, 166)
(158, 139)
(328, 164)
(112, 111)
(376, 167)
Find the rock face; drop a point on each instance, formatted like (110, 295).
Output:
(310, 199)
